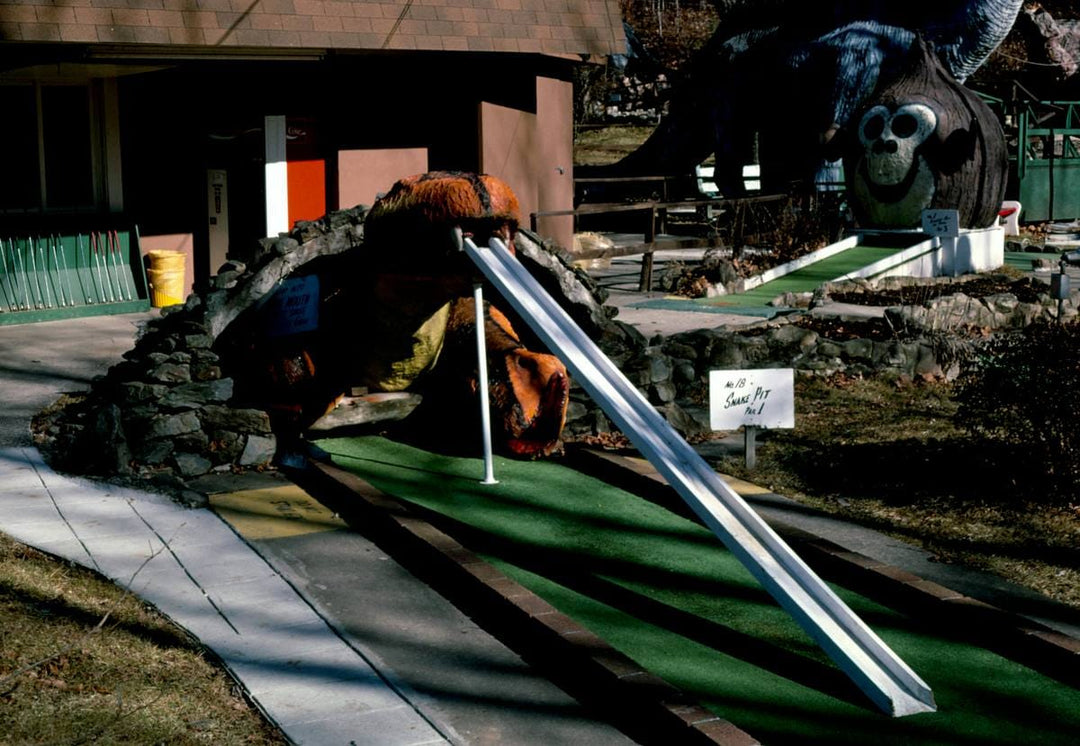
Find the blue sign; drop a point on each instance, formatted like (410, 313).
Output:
(295, 307)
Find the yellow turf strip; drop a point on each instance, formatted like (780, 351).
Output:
(274, 513)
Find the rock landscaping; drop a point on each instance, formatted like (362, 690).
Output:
(168, 413)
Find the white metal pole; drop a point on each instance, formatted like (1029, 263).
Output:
(482, 382)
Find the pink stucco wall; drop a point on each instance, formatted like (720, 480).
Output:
(363, 174)
(507, 139)
(554, 160)
(533, 153)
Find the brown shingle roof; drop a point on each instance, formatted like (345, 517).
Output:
(557, 27)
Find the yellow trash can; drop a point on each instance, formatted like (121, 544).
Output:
(166, 277)
(166, 259)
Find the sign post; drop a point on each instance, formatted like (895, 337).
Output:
(754, 400)
(1059, 287)
(750, 445)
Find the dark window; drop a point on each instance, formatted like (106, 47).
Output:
(20, 189)
(69, 167)
(46, 140)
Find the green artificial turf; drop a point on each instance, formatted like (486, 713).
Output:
(756, 301)
(663, 591)
(1022, 260)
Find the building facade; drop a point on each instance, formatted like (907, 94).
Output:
(208, 124)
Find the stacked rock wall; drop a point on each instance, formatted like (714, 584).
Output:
(931, 339)
(167, 410)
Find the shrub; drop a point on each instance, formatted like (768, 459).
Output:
(1023, 393)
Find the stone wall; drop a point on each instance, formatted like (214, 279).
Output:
(933, 339)
(1027, 302)
(166, 412)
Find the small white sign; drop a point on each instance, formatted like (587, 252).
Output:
(941, 222)
(296, 306)
(763, 397)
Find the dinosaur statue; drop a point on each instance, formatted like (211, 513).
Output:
(397, 314)
(780, 77)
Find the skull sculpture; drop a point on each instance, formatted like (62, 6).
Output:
(924, 141)
(894, 171)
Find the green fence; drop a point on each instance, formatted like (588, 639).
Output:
(1048, 161)
(45, 277)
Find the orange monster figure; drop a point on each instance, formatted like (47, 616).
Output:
(397, 314)
(420, 212)
(422, 282)
(528, 391)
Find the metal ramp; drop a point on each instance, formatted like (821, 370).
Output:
(856, 649)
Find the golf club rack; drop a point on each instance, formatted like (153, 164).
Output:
(63, 275)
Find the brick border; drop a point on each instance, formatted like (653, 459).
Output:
(1008, 634)
(636, 700)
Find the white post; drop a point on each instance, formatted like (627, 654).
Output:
(750, 440)
(277, 177)
(482, 382)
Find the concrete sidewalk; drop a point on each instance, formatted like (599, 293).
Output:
(194, 568)
(331, 638)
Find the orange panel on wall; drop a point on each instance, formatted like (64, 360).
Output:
(307, 190)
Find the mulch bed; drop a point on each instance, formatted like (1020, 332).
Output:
(1026, 290)
(839, 330)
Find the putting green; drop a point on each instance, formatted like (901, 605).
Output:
(756, 301)
(663, 591)
(1022, 260)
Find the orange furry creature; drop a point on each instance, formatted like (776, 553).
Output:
(528, 391)
(410, 228)
(421, 211)
(397, 314)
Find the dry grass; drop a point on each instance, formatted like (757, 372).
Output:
(887, 455)
(599, 146)
(68, 678)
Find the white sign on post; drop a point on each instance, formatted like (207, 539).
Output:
(763, 398)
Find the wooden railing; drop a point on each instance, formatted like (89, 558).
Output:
(654, 224)
(665, 184)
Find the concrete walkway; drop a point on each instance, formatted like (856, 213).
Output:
(621, 278)
(195, 569)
